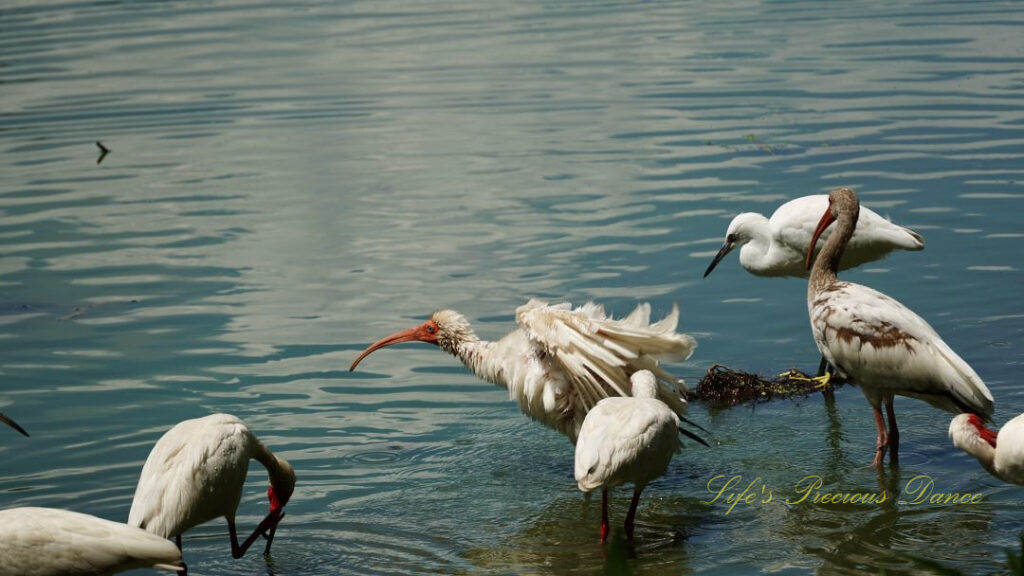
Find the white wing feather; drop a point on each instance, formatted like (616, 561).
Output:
(884, 346)
(625, 440)
(51, 542)
(598, 353)
(193, 474)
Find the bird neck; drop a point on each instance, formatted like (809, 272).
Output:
(280, 472)
(481, 358)
(756, 252)
(823, 272)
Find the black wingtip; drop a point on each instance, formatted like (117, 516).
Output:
(14, 425)
(693, 436)
(103, 151)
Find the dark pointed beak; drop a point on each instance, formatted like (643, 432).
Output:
(12, 424)
(826, 220)
(725, 249)
(410, 335)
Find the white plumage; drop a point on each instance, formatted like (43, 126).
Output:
(195, 474)
(627, 439)
(778, 247)
(879, 343)
(51, 542)
(1001, 454)
(561, 361)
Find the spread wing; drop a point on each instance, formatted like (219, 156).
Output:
(598, 353)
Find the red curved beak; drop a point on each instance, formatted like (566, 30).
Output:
(826, 220)
(414, 334)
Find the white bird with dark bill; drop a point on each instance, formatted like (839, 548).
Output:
(195, 474)
(778, 247)
(52, 542)
(561, 361)
(12, 424)
(1001, 454)
(879, 343)
(626, 440)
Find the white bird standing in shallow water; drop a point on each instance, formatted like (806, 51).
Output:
(626, 440)
(51, 542)
(879, 343)
(778, 247)
(195, 474)
(12, 424)
(1001, 454)
(561, 362)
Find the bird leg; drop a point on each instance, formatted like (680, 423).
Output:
(632, 513)
(604, 515)
(882, 441)
(184, 567)
(270, 539)
(894, 432)
(271, 521)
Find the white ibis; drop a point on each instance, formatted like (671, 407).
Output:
(777, 247)
(195, 474)
(51, 542)
(626, 440)
(1001, 454)
(561, 361)
(879, 343)
(12, 424)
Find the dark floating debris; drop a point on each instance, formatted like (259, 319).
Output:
(723, 387)
(103, 151)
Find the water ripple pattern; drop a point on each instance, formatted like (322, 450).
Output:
(289, 182)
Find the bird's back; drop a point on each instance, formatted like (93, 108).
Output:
(194, 474)
(885, 347)
(794, 222)
(51, 542)
(625, 440)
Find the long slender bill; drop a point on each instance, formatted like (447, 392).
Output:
(725, 249)
(409, 335)
(826, 220)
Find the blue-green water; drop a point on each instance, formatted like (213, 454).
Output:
(289, 183)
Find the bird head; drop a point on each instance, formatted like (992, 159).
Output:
(966, 429)
(840, 201)
(445, 329)
(644, 384)
(282, 485)
(740, 231)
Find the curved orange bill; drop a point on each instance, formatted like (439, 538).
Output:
(12, 424)
(826, 220)
(414, 334)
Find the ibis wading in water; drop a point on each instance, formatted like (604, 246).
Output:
(778, 247)
(561, 361)
(629, 439)
(51, 542)
(879, 343)
(12, 424)
(1001, 454)
(195, 474)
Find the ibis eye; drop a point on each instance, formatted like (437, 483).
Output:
(431, 329)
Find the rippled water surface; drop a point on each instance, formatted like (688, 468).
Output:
(288, 183)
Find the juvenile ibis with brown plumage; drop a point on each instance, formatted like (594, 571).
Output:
(879, 343)
(562, 361)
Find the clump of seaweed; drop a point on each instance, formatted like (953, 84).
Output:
(723, 387)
